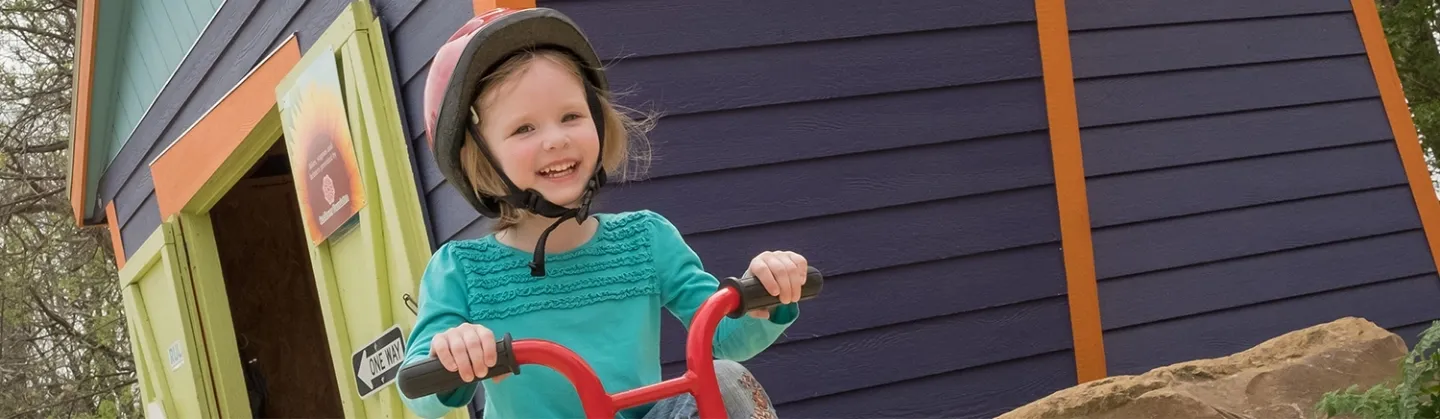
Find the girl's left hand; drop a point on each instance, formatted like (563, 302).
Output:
(782, 273)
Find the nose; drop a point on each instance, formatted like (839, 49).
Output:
(557, 139)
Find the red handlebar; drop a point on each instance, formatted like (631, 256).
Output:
(733, 298)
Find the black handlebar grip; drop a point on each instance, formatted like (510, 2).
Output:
(753, 295)
(430, 376)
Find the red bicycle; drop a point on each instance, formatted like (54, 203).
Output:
(734, 298)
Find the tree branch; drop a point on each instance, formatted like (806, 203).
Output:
(32, 31)
(43, 148)
(68, 327)
(32, 197)
(121, 385)
(20, 177)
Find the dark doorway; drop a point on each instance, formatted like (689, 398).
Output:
(279, 329)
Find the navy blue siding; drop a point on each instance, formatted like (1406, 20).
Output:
(1101, 14)
(243, 33)
(970, 393)
(901, 146)
(1242, 177)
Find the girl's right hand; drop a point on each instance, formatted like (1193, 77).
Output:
(468, 349)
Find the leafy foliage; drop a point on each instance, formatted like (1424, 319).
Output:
(1415, 396)
(1410, 30)
(64, 351)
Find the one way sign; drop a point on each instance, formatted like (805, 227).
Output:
(377, 364)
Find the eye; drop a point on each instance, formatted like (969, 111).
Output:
(523, 129)
(571, 117)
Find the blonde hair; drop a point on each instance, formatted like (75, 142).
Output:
(622, 160)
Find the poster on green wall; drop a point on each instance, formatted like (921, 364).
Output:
(322, 156)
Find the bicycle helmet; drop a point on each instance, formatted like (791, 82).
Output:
(477, 49)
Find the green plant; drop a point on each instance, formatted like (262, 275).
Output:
(1415, 396)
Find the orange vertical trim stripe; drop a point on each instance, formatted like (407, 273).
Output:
(84, 80)
(482, 6)
(1396, 109)
(1070, 190)
(182, 169)
(115, 240)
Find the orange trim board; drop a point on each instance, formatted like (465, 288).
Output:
(186, 165)
(1396, 109)
(1079, 254)
(85, 77)
(482, 6)
(115, 240)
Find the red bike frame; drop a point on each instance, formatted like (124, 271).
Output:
(699, 378)
(732, 299)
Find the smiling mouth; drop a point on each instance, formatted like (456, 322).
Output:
(558, 170)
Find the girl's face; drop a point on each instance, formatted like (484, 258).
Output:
(539, 129)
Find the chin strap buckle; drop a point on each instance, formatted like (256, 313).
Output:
(583, 212)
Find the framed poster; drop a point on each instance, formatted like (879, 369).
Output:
(322, 156)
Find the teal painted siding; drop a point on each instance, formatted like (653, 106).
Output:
(139, 44)
(149, 39)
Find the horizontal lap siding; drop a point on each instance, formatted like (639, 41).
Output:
(1242, 176)
(242, 34)
(901, 146)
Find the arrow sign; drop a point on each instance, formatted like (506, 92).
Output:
(376, 365)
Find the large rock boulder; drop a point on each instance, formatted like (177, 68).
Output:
(1282, 378)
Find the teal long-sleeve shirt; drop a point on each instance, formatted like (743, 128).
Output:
(602, 300)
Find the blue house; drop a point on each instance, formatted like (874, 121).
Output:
(1007, 197)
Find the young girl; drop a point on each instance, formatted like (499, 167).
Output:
(523, 91)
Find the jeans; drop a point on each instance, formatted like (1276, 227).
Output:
(744, 398)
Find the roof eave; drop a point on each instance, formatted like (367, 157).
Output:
(81, 203)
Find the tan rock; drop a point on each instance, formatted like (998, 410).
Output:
(1281, 378)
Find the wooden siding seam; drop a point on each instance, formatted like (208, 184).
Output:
(1107, 17)
(1312, 150)
(814, 42)
(1206, 21)
(1148, 313)
(1036, 301)
(1425, 323)
(1074, 210)
(904, 91)
(1301, 248)
(1222, 66)
(1392, 232)
(1334, 290)
(1407, 140)
(1020, 359)
(1232, 112)
(1255, 205)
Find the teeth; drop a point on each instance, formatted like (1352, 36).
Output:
(558, 168)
